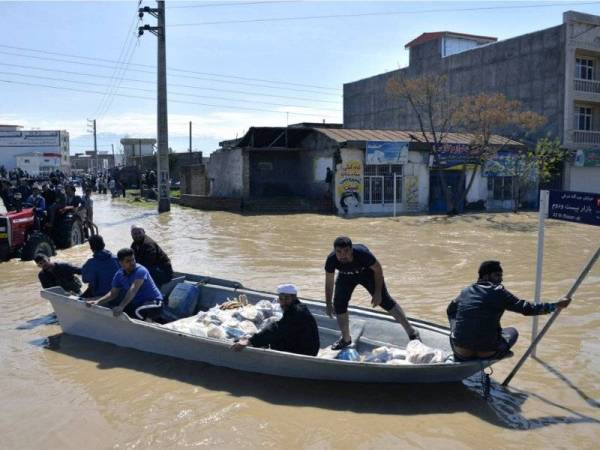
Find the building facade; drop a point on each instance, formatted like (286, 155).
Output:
(14, 141)
(553, 72)
(134, 149)
(319, 168)
(39, 164)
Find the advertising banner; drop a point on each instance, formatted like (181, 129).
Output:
(29, 138)
(350, 186)
(383, 152)
(451, 155)
(587, 158)
(579, 207)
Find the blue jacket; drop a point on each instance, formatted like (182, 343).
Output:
(99, 271)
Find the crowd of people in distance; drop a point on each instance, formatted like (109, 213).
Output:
(46, 199)
(130, 283)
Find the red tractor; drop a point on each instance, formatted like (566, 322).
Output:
(22, 234)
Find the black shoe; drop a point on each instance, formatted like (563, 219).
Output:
(415, 336)
(340, 344)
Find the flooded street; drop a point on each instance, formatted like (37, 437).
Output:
(62, 391)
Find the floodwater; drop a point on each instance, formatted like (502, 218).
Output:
(60, 391)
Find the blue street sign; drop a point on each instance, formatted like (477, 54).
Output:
(579, 207)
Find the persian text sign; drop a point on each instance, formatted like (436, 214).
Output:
(29, 138)
(587, 158)
(383, 152)
(580, 207)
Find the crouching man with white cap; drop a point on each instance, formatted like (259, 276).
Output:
(296, 332)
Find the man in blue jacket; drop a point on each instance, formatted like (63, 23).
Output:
(475, 316)
(100, 269)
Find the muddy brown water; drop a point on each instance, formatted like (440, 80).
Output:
(60, 391)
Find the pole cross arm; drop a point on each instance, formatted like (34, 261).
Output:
(556, 313)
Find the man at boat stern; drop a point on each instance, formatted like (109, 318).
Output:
(142, 298)
(296, 332)
(357, 265)
(475, 316)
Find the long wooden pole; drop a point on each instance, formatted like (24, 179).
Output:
(539, 337)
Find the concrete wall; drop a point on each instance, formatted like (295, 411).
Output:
(211, 203)
(528, 68)
(194, 180)
(226, 173)
(583, 179)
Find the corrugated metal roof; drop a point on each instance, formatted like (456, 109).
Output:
(347, 134)
(425, 37)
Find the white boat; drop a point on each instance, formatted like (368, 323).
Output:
(378, 329)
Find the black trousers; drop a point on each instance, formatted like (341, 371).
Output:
(345, 285)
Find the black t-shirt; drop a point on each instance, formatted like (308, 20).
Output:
(362, 259)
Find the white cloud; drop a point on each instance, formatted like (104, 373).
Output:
(218, 125)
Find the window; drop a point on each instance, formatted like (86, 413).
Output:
(583, 118)
(26, 161)
(500, 188)
(379, 183)
(584, 68)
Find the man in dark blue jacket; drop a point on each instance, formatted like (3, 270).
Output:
(475, 316)
(296, 332)
(99, 270)
(58, 274)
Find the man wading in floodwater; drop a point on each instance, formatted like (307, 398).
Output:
(357, 265)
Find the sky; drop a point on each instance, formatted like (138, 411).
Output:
(62, 63)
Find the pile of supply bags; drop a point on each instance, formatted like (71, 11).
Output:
(416, 353)
(234, 319)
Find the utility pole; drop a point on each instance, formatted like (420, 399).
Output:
(113, 153)
(164, 202)
(92, 123)
(190, 136)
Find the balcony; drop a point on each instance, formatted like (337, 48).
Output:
(591, 86)
(586, 137)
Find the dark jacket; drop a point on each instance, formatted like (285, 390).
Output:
(149, 254)
(475, 315)
(99, 271)
(62, 275)
(296, 332)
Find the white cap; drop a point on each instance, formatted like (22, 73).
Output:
(289, 289)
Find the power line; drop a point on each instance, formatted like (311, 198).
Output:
(236, 77)
(229, 4)
(173, 75)
(154, 91)
(122, 54)
(93, 75)
(173, 101)
(374, 14)
(117, 85)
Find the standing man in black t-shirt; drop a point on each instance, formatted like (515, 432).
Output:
(357, 265)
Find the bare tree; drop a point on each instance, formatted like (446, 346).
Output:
(485, 116)
(434, 109)
(494, 121)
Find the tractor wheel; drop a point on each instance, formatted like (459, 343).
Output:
(4, 251)
(69, 232)
(37, 243)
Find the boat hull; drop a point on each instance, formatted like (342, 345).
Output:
(94, 322)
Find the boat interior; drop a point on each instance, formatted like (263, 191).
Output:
(369, 328)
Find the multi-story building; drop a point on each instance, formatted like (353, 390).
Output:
(554, 72)
(39, 164)
(14, 141)
(134, 149)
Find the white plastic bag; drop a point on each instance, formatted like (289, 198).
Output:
(379, 355)
(248, 328)
(251, 313)
(419, 353)
(215, 331)
(265, 307)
